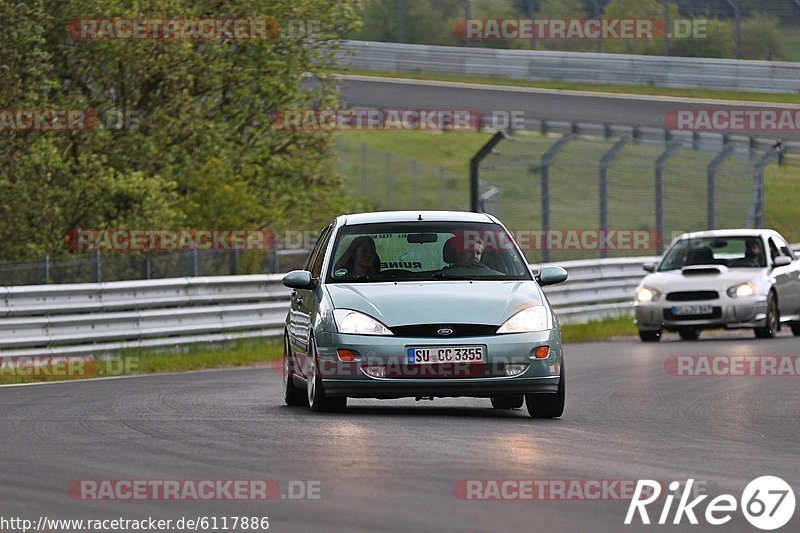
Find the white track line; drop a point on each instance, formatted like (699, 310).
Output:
(590, 94)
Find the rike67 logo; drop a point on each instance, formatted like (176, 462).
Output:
(767, 503)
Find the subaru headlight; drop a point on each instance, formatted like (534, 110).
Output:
(530, 319)
(349, 321)
(646, 294)
(745, 290)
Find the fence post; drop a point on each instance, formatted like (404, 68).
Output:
(474, 170)
(441, 188)
(47, 268)
(195, 263)
(659, 198)
(364, 170)
(604, 163)
(388, 180)
(756, 217)
(711, 187)
(544, 172)
(415, 183)
(97, 268)
(738, 18)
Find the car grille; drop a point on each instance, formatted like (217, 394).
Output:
(692, 296)
(432, 330)
(716, 313)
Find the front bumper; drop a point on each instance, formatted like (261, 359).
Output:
(463, 379)
(728, 313)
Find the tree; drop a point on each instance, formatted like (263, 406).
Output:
(205, 151)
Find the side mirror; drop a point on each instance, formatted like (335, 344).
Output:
(649, 267)
(782, 261)
(551, 276)
(299, 279)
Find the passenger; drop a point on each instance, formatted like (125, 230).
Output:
(360, 259)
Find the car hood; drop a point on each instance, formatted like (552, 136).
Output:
(717, 278)
(433, 302)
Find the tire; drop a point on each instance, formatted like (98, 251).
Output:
(291, 394)
(689, 333)
(548, 405)
(772, 321)
(507, 401)
(650, 335)
(796, 329)
(317, 399)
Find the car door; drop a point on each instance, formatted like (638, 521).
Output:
(305, 302)
(791, 305)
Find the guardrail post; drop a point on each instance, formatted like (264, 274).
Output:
(711, 187)
(544, 165)
(659, 194)
(474, 170)
(604, 163)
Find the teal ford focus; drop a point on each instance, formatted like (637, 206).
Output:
(422, 304)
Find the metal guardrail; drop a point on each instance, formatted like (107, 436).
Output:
(682, 72)
(97, 318)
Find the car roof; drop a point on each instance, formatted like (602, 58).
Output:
(411, 216)
(729, 233)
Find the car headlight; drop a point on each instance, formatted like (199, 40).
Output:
(349, 321)
(530, 319)
(647, 294)
(745, 290)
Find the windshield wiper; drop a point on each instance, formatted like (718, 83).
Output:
(445, 275)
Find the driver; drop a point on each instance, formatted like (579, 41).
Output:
(754, 252)
(460, 252)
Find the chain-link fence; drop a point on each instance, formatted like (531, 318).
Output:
(116, 266)
(596, 191)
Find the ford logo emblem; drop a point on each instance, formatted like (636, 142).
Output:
(445, 331)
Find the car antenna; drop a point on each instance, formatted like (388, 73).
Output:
(420, 217)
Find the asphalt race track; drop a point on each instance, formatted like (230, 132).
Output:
(393, 465)
(536, 104)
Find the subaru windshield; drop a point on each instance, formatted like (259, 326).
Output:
(732, 252)
(425, 251)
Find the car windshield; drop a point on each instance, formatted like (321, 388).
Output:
(732, 252)
(425, 251)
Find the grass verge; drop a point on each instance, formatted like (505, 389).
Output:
(652, 90)
(599, 330)
(139, 361)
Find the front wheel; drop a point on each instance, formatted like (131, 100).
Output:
(548, 405)
(650, 335)
(771, 326)
(507, 401)
(317, 399)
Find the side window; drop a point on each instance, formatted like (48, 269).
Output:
(319, 257)
(773, 249)
(784, 248)
(314, 252)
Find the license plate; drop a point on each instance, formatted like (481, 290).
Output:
(446, 354)
(693, 310)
